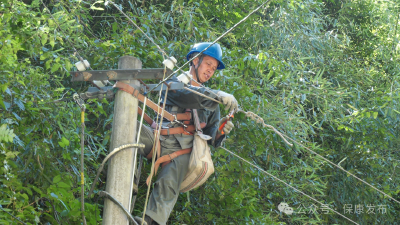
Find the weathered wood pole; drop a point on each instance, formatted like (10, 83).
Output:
(120, 167)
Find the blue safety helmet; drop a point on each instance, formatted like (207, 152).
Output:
(214, 51)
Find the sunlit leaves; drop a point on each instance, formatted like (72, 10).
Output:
(6, 135)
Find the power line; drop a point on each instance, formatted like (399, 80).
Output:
(65, 36)
(190, 60)
(341, 168)
(276, 178)
(147, 36)
(258, 119)
(219, 38)
(216, 40)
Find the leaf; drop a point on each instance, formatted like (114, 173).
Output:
(6, 135)
(51, 41)
(375, 115)
(44, 39)
(25, 196)
(37, 190)
(61, 144)
(20, 104)
(96, 8)
(28, 190)
(54, 195)
(56, 179)
(11, 155)
(63, 185)
(4, 87)
(55, 67)
(2, 103)
(65, 141)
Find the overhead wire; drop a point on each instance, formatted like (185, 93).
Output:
(216, 40)
(147, 36)
(158, 47)
(341, 168)
(263, 171)
(258, 119)
(220, 37)
(65, 36)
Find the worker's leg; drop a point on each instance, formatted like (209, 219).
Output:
(166, 189)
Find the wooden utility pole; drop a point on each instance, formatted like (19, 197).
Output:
(120, 167)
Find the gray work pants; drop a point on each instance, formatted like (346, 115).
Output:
(166, 189)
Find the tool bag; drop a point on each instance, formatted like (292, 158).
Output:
(200, 162)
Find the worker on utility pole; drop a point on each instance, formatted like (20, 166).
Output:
(168, 182)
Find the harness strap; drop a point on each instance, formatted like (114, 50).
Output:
(185, 117)
(167, 159)
(181, 130)
(147, 117)
(129, 89)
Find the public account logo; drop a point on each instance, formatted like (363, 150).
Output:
(284, 207)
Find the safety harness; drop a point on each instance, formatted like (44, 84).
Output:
(184, 119)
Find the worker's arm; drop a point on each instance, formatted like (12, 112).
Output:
(189, 100)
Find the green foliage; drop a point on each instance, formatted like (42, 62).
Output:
(324, 72)
(6, 135)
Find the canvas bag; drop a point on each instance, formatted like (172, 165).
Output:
(200, 162)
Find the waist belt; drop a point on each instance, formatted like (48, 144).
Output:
(188, 130)
(185, 117)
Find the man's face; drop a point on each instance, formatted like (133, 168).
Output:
(206, 69)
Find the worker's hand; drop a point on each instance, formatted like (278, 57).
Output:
(228, 126)
(228, 100)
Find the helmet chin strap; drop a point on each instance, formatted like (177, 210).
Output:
(196, 69)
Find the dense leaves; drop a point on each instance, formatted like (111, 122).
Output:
(324, 72)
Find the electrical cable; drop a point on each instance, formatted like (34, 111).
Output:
(115, 201)
(114, 151)
(258, 119)
(341, 168)
(69, 41)
(220, 37)
(180, 69)
(276, 178)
